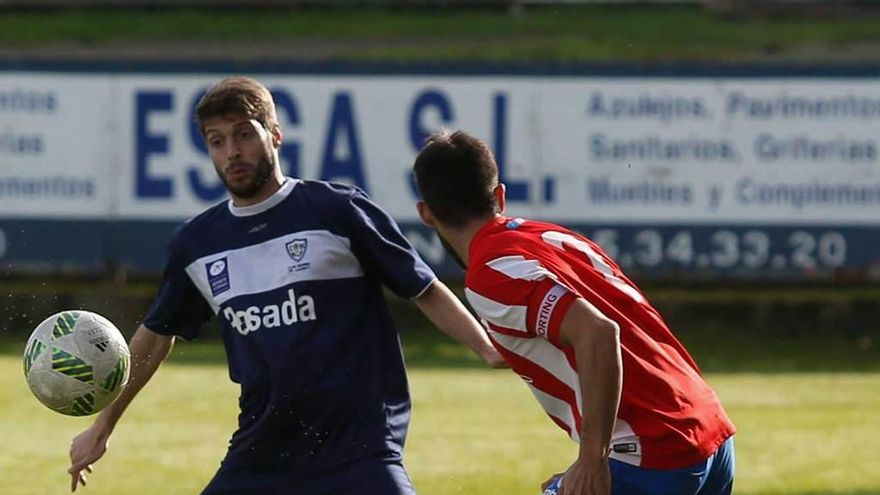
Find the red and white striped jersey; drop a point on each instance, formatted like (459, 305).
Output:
(522, 277)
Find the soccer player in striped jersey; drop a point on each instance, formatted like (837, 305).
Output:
(294, 270)
(597, 356)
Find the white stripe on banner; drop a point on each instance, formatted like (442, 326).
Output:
(297, 257)
(546, 356)
(512, 317)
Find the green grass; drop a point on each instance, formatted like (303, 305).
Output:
(473, 431)
(821, 328)
(538, 34)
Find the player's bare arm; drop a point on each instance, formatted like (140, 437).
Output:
(596, 343)
(148, 350)
(445, 311)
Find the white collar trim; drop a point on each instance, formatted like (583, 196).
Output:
(277, 197)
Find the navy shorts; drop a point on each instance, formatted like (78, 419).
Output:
(714, 476)
(371, 475)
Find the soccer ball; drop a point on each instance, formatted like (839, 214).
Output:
(76, 362)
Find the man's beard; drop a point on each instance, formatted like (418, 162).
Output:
(451, 252)
(262, 174)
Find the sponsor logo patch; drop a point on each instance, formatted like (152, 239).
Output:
(218, 276)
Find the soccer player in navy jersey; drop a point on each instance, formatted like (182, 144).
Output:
(597, 356)
(294, 269)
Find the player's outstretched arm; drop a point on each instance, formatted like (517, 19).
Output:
(148, 350)
(596, 343)
(445, 311)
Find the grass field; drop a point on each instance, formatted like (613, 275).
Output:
(474, 431)
(808, 408)
(546, 34)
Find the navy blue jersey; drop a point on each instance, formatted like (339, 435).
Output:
(297, 283)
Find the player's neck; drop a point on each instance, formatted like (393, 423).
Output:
(269, 188)
(459, 239)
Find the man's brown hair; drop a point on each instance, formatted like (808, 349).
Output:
(238, 94)
(456, 175)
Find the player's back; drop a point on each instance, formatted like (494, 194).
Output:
(668, 416)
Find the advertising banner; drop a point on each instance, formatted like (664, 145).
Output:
(755, 176)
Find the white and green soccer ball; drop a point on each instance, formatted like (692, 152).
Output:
(76, 362)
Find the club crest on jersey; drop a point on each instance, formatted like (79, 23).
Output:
(297, 249)
(218, 276)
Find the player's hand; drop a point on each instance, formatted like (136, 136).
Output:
(79, 478)
(494, 359)
(86, 448)
(587, 477)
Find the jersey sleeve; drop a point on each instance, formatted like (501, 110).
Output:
(383, 250)
(518, 296)
(178, 308)
(548, 303)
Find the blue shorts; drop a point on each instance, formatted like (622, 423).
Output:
(714, 476)
(372, 475)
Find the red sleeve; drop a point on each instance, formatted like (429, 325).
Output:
(548, 303)
(519, 297)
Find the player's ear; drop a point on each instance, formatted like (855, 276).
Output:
(425, 214)
(275, 131)
(499, 193)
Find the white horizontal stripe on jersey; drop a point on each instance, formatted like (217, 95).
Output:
(546, 356)
(503, 315)
(559, 409)
(550, 358)
(559, 239)
(267, 266)
(520, 268)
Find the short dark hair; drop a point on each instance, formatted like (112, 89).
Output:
(237, 94)
(456, 175)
